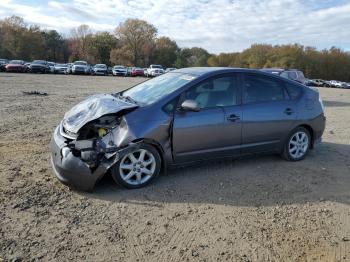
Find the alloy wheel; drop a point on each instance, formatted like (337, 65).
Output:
(298, 144)
(138, 167)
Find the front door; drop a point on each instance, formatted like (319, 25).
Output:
(215, 130)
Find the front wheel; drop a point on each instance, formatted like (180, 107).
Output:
(297, 145)
(138, 168)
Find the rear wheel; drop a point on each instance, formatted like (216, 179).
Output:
(297, 145)
(138, 168)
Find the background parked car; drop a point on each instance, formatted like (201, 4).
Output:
(39, 66)
(119, 70)
(291, 74)
(100, 69)
(51, 66)
(310, 82)
(154, 70)
(3, 63)
(136, 71)
(61, 69)
(321, 83)
(81, 67)
(17, 66)
(337, 84)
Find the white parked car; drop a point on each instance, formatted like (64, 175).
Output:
(119, 70)
(338, 84)
(80, 67)
(154, 70)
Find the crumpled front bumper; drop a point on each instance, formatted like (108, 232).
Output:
(69, 169)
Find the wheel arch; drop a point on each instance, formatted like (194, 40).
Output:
(311, 132)
(158, 147)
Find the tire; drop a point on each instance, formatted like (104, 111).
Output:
(133, 176)
(297, 145)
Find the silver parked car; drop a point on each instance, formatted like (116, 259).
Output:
(183, 116)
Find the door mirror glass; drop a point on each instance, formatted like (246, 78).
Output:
(190, 105)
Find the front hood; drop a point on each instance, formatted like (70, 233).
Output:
(93, 108)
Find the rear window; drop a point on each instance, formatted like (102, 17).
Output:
(260, 89)
(294, 91)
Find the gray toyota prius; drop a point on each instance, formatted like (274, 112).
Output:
(184, 116)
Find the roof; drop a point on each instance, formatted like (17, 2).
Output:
(206, 70)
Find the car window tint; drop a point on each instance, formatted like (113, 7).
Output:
(216, 92)
(258, 89)
(293, 90)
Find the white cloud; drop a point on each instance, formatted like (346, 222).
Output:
(217, 25)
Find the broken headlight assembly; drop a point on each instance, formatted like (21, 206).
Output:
(99, 127)
(89, 145)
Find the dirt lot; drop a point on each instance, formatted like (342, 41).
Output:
(254, 209)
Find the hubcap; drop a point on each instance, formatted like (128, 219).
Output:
(298, 144)
(137, 167)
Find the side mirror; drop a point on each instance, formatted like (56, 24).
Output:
(190, 105)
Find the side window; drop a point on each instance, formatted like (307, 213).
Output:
(215, 92)
(259, 89)
(293, 91)
(284, 74)
(292, 75)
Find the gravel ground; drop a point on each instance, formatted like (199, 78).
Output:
(253, 209)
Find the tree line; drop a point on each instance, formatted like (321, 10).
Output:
(136, 43)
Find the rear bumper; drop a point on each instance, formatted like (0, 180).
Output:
(318, 125)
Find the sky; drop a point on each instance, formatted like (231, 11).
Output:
(216, 25)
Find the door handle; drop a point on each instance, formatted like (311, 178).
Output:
(233, 118)
(288, 111)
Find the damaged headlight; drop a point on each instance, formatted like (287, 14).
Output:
(99, 127)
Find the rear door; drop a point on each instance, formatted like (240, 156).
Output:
(268, 114)
(209, 133)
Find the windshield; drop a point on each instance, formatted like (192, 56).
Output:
(16, 62)
(155, 89)
(100, 66)
(156, 66)
(80, 63)
(40, 62)
(119, 67)
(61, 65)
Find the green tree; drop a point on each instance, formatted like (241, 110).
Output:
(165, 52)
(136, 36)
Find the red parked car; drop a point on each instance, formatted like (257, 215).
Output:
(136, 71)
(17, 66)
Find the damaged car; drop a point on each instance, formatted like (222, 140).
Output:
(184, 116)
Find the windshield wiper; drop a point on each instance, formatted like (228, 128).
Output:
(128, 98)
